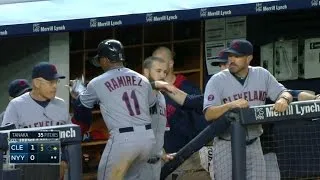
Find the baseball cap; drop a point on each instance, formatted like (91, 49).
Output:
(240, 47)
(46, 71)
(221, 58)
(18, 87)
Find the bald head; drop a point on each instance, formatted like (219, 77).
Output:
(163, 51)
(165, 54)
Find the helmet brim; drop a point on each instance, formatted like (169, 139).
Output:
(95, 61)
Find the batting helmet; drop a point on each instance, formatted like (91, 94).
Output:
(111, 49)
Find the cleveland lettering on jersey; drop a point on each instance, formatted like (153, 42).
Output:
(121, 81)
(248, 95)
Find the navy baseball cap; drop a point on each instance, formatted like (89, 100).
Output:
(221, 58)
(46, 71)
(240, 47)
(18, 87)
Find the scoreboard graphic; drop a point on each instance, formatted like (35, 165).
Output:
(34, 147)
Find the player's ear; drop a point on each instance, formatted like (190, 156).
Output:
(249, 59)
(146, 72)
(36, 82)
(171, 63)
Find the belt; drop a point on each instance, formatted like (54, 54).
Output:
(131, 129)
(248, 142)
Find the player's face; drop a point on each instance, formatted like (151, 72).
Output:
(238, 63)
(163, 55)
(48, 89)
(158, 71)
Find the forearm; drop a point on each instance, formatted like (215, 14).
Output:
(178, 96)
(214, 112)
(303, 96)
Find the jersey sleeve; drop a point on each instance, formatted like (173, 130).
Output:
(193, 102)
(89, 97)
(11, 115)
(274, 88)
(212, 93)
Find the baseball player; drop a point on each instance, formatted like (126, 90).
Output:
(125, 97)
(155, 69)
(40, 107)
(16, 88)
(241, 86)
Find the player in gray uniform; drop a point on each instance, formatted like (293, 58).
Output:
(155, 69)
(16, 88)
(125, 97)
(241, 86)
(40, 107)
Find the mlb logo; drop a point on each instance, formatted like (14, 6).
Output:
(93, 22)
(149, 17)
(36, 27)
(258, 7)
(203, 12)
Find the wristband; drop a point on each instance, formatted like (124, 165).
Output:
(285, 98)
(153, 84)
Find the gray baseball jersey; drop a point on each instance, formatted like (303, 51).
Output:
(222, 88)
(158, 124)
(1, 117)
(24, 112)
(124, 97)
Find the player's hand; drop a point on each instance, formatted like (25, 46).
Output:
(164, 86)
(168, 157)
(63, 169)
(76, 87)
(240, 103)
(281, 105)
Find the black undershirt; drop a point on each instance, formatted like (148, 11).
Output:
(241, 80)
(44, 104)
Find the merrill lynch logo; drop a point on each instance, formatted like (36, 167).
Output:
(36, 27)
(261, 8)
(258, 7)
(93, 22)
(203, 12)
(149, 17)
(296, 109)
(315, 2)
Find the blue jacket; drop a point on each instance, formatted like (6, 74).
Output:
(184, 123)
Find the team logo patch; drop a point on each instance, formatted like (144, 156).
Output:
(211, 97)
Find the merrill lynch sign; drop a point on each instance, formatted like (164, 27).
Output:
(293, 109)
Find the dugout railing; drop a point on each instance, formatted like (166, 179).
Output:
(297, 111)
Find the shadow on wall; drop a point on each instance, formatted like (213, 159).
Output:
(17, 57)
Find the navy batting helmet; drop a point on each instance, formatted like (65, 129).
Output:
(111, 49)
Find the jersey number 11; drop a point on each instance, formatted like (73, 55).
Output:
(126, 99)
